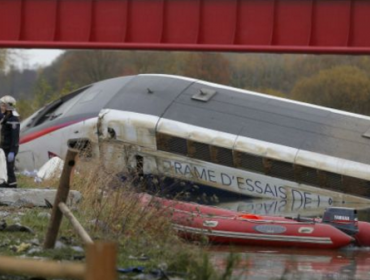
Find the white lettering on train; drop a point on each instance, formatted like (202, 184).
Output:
(246, 185)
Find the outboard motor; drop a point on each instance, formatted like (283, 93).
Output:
(344, 219)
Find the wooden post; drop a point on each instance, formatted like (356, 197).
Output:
(101, 261)
(47, 269)
(61, 196)
(75, 223)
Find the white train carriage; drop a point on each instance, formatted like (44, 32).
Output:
(206, 135)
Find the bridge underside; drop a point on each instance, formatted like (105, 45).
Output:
(300, 26)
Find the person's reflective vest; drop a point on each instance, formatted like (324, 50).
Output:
(10, 128)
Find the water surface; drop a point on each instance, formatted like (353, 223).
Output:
(260, 263)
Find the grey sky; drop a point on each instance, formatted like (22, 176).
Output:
(36, 57)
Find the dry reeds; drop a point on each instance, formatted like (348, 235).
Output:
(112, 209)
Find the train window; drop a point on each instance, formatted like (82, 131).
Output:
(49, 112)
(199, 150)
(28, 121)
(307, 175)
(331, 180)
(279, 169)
(222, 156)
(69, 103)
(172, 144)
(250, 162)
(355, 186)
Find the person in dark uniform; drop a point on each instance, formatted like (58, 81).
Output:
(10, 127)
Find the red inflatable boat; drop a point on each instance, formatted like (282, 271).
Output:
(338, 228)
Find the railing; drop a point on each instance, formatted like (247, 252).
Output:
(100, 264)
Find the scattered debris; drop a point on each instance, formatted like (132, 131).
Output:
(33, 197)
(77, 249)
(35, 242)
(48, 204)
(22, 247)
(3, 214)
(14, 228)
(44, 215)
(153, 274)
(28, 173)
(34, 250)
(59, 245)
(142, 257)
(136, 269)
(2, 225)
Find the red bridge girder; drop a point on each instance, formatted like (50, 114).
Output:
(307, 26)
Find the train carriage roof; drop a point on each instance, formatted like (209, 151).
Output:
(298, 125)
(262, 117)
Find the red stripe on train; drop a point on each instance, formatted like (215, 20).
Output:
(34, 135)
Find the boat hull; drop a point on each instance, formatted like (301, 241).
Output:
(193, 221)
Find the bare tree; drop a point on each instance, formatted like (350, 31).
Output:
(84, 67)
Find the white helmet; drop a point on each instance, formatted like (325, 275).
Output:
(9, 101)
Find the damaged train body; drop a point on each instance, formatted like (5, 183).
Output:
(185, 132)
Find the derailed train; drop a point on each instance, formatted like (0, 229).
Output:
(198, 133)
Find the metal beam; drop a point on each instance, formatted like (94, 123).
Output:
(282, 26)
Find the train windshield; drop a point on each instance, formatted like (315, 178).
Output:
(51, 111)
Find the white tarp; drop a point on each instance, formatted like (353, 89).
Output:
(3, 173)
(51, 169)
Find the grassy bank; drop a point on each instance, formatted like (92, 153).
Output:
(110, 210)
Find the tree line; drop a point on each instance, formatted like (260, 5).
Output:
(341, 82)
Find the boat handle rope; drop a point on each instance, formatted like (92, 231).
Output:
(233, 217)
